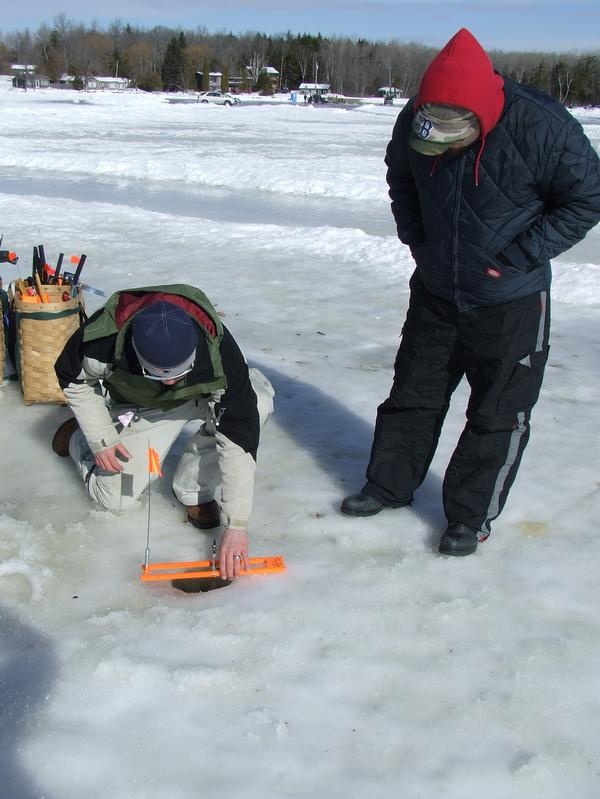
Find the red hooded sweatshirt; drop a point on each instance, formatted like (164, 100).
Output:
(462, 74)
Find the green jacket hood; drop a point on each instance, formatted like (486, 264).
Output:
(115, 320)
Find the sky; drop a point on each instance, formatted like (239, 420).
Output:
(373, 667)
(544, 25)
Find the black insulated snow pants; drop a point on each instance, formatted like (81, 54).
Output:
(502, 351)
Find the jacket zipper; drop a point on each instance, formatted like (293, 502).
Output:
(455, 215)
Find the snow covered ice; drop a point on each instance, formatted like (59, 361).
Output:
(372, 667)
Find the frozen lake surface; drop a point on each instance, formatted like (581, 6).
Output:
(372, 667)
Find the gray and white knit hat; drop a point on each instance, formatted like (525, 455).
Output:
(436, 127)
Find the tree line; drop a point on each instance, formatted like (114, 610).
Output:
(161, 58)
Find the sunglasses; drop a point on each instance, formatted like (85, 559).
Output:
(166, 374)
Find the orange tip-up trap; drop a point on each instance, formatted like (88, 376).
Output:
(204, 568)
(194, 569)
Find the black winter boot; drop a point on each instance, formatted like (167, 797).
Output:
(459, 539)
(361, 505)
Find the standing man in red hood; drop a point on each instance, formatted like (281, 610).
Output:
(489, 180)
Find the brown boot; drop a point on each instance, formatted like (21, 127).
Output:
(60, 442)
(205, 516)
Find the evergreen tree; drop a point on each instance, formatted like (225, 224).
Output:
(586, 89)
(264, 85)
(173, 68)
(205, 75)
(49, 47)
(225, 79)
(539, 78)
(149, 82)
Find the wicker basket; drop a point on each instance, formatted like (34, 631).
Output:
(42, 330)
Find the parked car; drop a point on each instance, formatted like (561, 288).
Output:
(220, 98)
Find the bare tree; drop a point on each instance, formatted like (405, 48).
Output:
(23, 45)
(303, 55)
(64, 29)
(334, 53)
(158, 37)
(138, 62)
(255, 65)
(5, 59)
(92, 53)
(562, 79)
(50, 54)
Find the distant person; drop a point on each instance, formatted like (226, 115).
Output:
(164, 358)
(489, 180)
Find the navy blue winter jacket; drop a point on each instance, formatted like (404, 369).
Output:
(483, 224)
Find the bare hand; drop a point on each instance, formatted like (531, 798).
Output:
(233, 553)
(113, 458)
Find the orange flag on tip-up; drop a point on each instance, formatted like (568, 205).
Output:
(154, 462)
